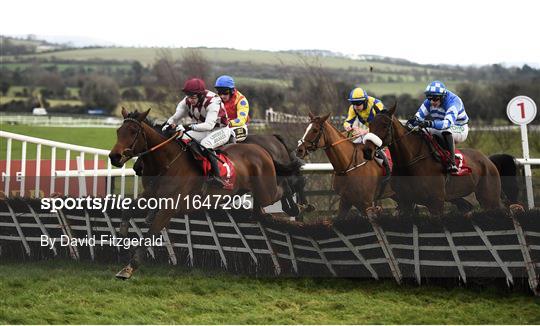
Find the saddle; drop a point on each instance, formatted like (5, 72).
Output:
(442, 155)
(227, 171)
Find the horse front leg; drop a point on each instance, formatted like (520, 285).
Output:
(344, 207)
(160, 221)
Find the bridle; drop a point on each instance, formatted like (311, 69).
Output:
(129, 152)
(314, 145)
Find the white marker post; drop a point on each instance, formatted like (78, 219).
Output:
(521, 110)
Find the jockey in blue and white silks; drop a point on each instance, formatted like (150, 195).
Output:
(448, 118)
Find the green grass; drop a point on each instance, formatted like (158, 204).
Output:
(410, 87)
(103, 138)
(82, 293)
(147, 56)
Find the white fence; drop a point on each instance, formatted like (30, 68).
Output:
(60, 121)
(98, 166)
(86, 170)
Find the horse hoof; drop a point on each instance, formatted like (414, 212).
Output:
(309, 208)
(125, 273)
(373, 211)
(517, 208)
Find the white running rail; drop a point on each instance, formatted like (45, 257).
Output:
(78, 152)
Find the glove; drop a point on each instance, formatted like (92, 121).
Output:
(166, 127)
(426, 124)
(348, 128)
(180, 128)
(187, 127)
(412, 123)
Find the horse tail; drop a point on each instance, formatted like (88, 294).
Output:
(292, 155)
(508, 171)
(288, 169)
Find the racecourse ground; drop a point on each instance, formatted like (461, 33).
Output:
(68, 292)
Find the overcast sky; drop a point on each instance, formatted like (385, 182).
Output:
(436, 31)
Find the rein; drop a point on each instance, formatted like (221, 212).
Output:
(417, 158)
(148, 150)
(314, 144)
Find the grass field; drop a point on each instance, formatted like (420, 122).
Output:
(147, 56)
(103, 138)
(74, 293)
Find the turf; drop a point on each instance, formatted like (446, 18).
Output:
(73, 293)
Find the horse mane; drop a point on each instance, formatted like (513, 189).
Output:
(150, 122)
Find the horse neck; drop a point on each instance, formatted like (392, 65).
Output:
(164, 157)
(405, 146)
(339, 155)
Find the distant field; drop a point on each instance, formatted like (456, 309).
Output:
(147, 56)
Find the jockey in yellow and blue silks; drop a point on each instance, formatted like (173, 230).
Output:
(236, 105)
(363, 109)
(448, 117)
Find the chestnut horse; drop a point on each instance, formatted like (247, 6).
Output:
(175, 171)
(357, 181)
(417, 178)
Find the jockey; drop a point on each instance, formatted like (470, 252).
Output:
(448, 118)
(363, 109)
(236, 104)
(210, 130)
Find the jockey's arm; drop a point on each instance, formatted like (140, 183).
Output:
(181, 111)
(423, 111)
(242, 113)
(351, 116)
(211, 119)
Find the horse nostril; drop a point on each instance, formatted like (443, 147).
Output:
(114, 157)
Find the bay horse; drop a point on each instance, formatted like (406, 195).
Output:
(277, 148)
(356, 180)
(417, 178)
(293, 183)
(175, 172)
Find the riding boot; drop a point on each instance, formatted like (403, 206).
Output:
(195, 148)
(452, 168)
(382, 155)
(214, 178)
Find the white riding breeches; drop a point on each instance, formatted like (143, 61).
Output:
(210, 139)
(459, 133)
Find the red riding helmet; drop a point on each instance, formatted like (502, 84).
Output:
(194, 86)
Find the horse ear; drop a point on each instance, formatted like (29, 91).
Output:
(311, 115)
(325, 117)
(143, 115)
(124, 112)
(393, 108)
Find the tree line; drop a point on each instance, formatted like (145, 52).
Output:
(305, 87)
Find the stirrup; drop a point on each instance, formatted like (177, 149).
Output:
(452, 168)
(216, 181)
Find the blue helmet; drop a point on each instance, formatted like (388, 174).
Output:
(224, 82)
(435, 88)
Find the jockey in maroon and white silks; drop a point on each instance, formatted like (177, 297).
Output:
(211, 129)
(205, 107)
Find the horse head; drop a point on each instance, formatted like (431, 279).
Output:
(313, 136)
(130, 138)
(380, 132)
